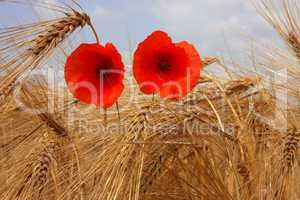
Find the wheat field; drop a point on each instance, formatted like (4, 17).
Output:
(234, 137)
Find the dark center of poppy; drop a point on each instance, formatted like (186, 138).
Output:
(103, 71)
(163, 65)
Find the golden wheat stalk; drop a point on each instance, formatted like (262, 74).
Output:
(209, 60)
(291, 146)
(26, 46)
(56, 149)
(187, 119)
(294, 41)
(28, 177)
(31, 101)
(284, 17)
(286, 175)
(43, 166)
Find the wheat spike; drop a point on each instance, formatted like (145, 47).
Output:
(31, 101)
(209, 60)
(284, 17)
(290, 148)
(43, 165)
(243, 171)
(285, 179)
(43, 37)
(34, 172)
(294, 42)
(57, 32)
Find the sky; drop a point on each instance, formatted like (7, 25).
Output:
(215, 27)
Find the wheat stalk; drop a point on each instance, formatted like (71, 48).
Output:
(186, 119)
(284, 17)
(291, 146)
(294, 42)
(45, 36)
(33, 171)
(209, 60)
(31, 101)
(57, 32)
(286, 178)
(43, 165)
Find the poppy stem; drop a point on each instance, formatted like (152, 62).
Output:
(105, 119)
(153, 97)
(95, 33)
(119, 115)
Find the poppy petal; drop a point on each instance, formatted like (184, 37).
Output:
(195, 63)
(144, 61)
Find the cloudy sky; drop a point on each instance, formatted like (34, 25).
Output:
(214, 26)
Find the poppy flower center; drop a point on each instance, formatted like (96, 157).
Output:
(164, 65)
(103, 71)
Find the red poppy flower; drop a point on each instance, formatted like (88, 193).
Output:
(95, 73)
(172, 69)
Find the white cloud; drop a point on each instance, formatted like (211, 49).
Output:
(206, 23)
(213, 26)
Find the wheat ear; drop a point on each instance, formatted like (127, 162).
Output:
(43, 38)
(294, 42)
(31, 101)
(284, 17)
(209, 60)
(43, 165)
(291, 146)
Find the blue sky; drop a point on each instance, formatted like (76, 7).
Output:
(214, 26)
